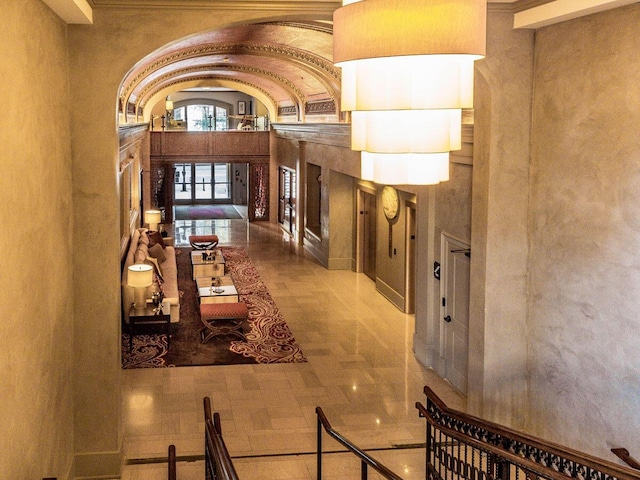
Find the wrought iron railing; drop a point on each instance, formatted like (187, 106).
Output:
(366, 460)
(461, 447)
(218, 464)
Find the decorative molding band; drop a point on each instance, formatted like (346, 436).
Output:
(287, 110)
(218, 77)
(155, 86)
(304, 57)
(317, 27)
(324, 8)
(320, 108)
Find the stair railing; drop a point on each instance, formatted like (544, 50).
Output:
(366, 460)
(218, 464)
(624, 455)
(463, 447)
(171, 455)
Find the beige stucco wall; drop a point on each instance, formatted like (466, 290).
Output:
(101, 54)
(585, 221)
(497, 387)
(36, 294)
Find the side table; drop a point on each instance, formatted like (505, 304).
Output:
(150, 316)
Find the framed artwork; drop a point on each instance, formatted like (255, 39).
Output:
(241, 108)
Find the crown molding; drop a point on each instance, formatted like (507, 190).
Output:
(300, 6)
(72, 11)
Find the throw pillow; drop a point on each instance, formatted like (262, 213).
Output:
(141, 254)
(144, 239)
(158, 253)
(155, 237)
(156, 268)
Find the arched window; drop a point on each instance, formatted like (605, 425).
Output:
(200, 117)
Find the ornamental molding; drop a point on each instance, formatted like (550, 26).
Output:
(164, 81)
(306, 60)
(215, 77)
(320, 108)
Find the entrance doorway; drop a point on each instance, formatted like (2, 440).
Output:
(366, 257)
(456, 256)
(202, 183)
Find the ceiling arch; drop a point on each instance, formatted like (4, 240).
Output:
(283, 64)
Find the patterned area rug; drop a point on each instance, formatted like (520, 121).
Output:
(269, 339)
(206, 212)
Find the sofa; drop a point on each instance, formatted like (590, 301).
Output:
(151, 248)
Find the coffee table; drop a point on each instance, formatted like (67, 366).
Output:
(207, 263)
(209, 293)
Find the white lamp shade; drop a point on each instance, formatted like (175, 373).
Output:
(168, 105)
(405, 169)
(140, 275)
(153, 217)
(393, 28)
(413, 82)
(407, 131)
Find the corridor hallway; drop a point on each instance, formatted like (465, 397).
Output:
(360, 369)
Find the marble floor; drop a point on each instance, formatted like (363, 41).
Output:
(360, 369)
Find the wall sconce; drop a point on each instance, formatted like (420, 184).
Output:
(168, 106)
(407, 73)
(153, 218)
(140, 276)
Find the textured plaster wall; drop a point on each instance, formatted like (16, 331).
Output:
(36, 319)
(100, 56)
(497, 388)
(585, 215)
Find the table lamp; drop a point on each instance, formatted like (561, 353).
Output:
(140, 277)
(153, 218)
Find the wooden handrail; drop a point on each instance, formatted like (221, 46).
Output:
(623, 454)
(171, 475)
(218, 463)
(365, 459)
(546, 459)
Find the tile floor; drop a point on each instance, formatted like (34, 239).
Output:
(360, 369)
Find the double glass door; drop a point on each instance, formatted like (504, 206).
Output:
(202, 183)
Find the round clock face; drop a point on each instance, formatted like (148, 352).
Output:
(390, 202)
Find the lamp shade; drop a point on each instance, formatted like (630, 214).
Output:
(394, 28)
(412, 82)
(140, 275)
(168, 105)
(405, 168)
(153, 217)
(407, 131)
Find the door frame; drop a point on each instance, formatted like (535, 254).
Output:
(360, 237)
(410, 257)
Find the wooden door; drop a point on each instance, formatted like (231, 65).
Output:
(367, 233)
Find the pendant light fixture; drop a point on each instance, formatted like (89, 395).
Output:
(407, 73)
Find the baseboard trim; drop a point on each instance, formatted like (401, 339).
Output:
(94, 466)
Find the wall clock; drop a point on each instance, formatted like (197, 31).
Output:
(390, 208)
(390, 202)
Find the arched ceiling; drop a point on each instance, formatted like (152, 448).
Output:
(287, 65)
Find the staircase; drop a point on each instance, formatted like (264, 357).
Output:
(458, 447)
